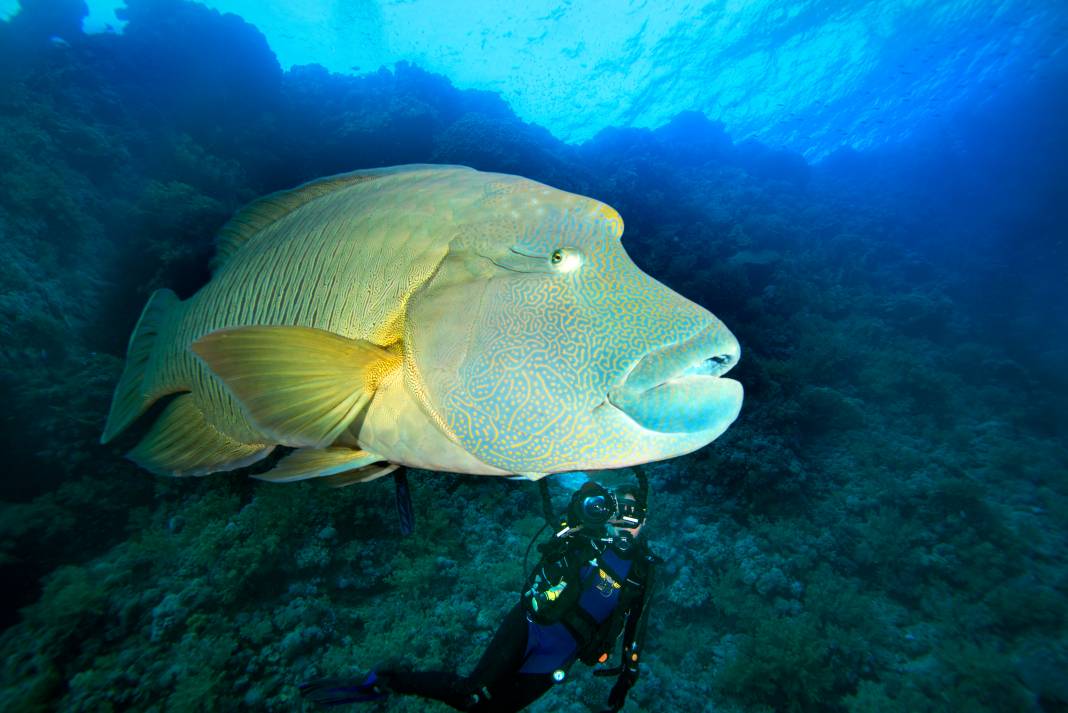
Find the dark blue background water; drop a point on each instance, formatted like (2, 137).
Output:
(883, 529)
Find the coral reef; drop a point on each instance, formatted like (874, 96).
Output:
(883, 529)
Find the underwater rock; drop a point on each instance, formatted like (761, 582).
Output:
(768, 164)
(196, 66)
(40, 23)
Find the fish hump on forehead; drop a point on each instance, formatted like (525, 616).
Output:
(506, 197)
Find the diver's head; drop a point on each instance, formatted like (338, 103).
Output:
(630, 516)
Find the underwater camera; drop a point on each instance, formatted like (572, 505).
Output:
(593, 505)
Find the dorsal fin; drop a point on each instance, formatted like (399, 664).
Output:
(261, 212)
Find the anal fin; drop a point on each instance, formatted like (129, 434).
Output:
(181, 442)
(360, 475)
(306, 463)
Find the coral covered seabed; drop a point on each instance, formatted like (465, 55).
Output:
(882, 530)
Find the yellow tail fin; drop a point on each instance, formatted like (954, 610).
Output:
(134, 393)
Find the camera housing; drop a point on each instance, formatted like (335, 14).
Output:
(594, 506)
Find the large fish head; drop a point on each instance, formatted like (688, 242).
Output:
(540, 347)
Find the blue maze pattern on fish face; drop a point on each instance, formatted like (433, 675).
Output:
(561, 316)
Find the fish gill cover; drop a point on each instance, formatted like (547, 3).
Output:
(884, 528)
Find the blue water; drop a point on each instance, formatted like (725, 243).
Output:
(872, 196)
(808, 76)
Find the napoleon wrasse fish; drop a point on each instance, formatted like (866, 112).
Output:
(431, 316)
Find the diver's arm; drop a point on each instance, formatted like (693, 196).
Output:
(634, 631)
(547, 585)
(633, 641)
(550, 581)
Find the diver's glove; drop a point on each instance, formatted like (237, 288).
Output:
(540, 599)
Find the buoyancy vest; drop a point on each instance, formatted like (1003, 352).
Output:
(609, 585)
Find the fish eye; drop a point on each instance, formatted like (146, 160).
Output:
(565, 259)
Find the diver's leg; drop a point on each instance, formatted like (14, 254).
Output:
(514, 693)
(506, 649)
(441, 686)
(498, 665)
(502, 696)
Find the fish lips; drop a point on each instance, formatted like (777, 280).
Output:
(680, 388)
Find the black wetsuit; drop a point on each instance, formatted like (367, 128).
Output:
(604, 595)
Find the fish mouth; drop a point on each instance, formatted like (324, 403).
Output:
(680, 388)
(715, 365)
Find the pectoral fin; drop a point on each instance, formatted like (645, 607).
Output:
(300, 386)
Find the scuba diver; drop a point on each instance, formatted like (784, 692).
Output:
(590, 588)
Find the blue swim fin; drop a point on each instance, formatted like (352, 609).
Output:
(341, 691)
